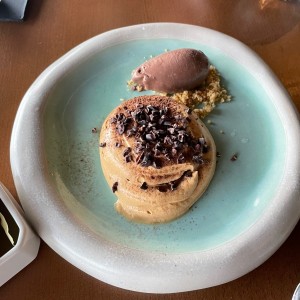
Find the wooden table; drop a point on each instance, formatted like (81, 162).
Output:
(52, 27)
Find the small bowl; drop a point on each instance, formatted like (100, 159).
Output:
(13, 258)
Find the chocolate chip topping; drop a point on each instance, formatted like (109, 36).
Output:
(127, 155)
(161, 136)
(144, 186)
(234, 157)
(127, 151)
(115, 187)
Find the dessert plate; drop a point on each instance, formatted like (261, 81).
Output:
(249, 209)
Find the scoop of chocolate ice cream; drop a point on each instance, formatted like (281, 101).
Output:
(173, 71)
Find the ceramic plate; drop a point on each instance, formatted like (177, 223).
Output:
(249, 209)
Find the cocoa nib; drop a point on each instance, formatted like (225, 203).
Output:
(234, 157)
(115, 187)
(128, 158)
(144, 186)
(127, 151)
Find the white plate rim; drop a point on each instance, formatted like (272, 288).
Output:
(118, 265)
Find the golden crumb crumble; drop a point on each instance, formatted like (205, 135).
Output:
(202, 100)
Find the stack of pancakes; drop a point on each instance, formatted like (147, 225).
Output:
(157, 156)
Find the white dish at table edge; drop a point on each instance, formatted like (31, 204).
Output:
(145, 271)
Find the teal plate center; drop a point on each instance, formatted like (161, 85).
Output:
(248, 126)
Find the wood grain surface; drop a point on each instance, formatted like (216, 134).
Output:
(51, 28)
